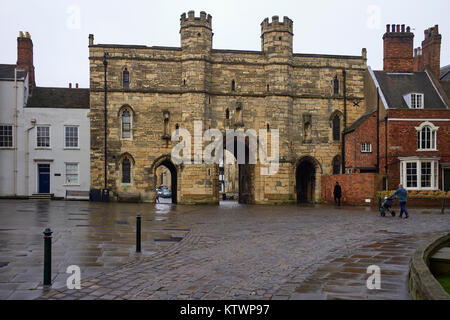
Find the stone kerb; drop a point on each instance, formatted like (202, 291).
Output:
(422, 284)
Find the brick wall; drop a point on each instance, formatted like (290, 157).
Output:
(356, 188)
(402, 140)
(398, 49)
(365, 132)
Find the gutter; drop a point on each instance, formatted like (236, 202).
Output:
(15, 140)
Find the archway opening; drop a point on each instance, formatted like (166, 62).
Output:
(236, 180)
(305, 181)
(166, 182)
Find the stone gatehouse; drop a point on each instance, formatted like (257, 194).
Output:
(151, 91)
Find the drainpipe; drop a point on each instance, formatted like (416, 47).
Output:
(386, 148)
(378, 131)
(105, 64)
(15, 132)
(344, 74)
(27, 158)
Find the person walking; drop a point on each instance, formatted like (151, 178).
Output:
(401, 195)
(337, 194)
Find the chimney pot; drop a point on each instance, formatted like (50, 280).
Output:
(70, 85)
(387, 28)
(76, 85)
(403, 28)
(408, 29)
(398, 28)
(393, 28)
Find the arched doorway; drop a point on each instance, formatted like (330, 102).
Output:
(305, 177)
(167, 172)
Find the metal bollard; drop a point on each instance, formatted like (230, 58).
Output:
(138, 233)
(443, 205)
(47, 257)
(379, 203)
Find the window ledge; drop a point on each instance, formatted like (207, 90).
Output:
(6, 148)
(70, 148)
(71, 185)
(425, 150)
(43, 148)
(126, 184)
(366, 151)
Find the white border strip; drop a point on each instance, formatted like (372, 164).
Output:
(437, 91)
(377, 85)
(423, 120)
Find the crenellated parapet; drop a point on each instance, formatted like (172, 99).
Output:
(287, 25)
(191, 20)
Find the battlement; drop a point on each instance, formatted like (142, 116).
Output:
(286, 26)
(192, 21)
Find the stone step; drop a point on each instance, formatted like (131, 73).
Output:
(42, 196)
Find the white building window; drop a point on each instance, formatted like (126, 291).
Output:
(43, 137)
(426, 136)
(72, 174)
(366, 147)
(71, 137)
(419, 174)
(416, 100)
(6, 136)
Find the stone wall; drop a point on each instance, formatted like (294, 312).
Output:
(273, 87)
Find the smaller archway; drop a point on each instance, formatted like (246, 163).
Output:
(168, 170)
(305, 178)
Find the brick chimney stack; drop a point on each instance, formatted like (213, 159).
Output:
(398, 49)
(25, 57)
(431, 50)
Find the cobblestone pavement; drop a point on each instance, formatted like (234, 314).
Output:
(237, 252)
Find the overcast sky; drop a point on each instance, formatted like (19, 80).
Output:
(60, 28)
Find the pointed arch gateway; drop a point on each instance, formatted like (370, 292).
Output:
(306, 170)
(166, 161)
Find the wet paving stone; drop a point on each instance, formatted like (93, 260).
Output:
(224, 252)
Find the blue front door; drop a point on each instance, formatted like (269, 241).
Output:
(44, 178)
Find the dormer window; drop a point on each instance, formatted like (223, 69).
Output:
(414, 100)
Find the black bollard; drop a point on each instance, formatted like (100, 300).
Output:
(47, 257)
(138, 233)
(379, 203)
(443, 205)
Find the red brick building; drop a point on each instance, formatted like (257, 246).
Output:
(406, 137)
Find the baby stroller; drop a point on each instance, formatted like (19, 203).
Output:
(387, 207)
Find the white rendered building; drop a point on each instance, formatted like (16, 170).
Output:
(44, 149)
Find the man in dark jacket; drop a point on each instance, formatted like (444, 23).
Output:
(401, 194)
(337, 194)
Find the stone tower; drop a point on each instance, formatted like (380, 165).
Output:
(196, 45)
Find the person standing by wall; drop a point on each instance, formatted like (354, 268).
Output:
(401, 194)
(337, 194)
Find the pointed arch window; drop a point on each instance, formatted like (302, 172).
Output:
(336, 128)
(337, 165)
(336, 85)
(227, 114)
(126, 170)
(126, 124)
(126, 78)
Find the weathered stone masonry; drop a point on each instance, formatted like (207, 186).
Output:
(275, 87)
